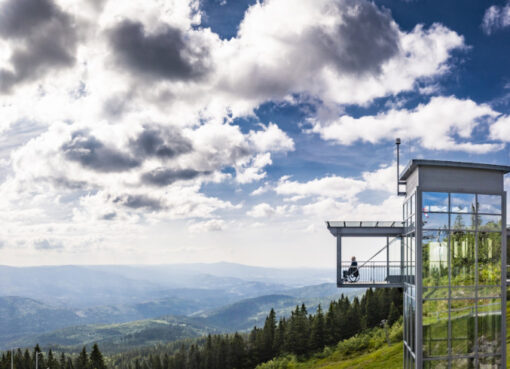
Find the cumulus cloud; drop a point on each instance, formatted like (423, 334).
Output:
(212, 225)
(500, 130)
(93, 154)
(164, 177)
(333, 186)
(136, 107)
(42, 37)
(166, 54)
(435, 125)
(495, 18)
(162, 142)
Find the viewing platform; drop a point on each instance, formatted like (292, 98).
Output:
(371, 273)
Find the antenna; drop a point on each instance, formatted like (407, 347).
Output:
(399, 182)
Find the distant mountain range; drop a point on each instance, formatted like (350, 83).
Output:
(139, 305)
(87, 286)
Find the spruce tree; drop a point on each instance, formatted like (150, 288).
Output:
(82, 361)
(393, 315)
(268, 336)
(317, 335)
(96, 358)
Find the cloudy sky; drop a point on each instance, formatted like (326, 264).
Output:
(168, 131)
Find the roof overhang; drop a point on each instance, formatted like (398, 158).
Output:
(415, 163)
(366, 228)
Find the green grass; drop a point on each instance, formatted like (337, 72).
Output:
(383, 358)
(365, 351)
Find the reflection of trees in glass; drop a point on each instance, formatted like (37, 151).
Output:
(475, 218)
(459, 222)
(489, 258)
(435, 258)
(463, 258)
(489, 326)
(435, 328)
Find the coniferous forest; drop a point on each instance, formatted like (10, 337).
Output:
(301, 334)
(25, 359)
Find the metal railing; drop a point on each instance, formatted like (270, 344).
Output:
(374, 271)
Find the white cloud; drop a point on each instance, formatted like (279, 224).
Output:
(271, 138)
(264, 210)
(435, 125)
(495, 18)
(500, 130)
(333, 186)
(93, 110)
(213, 225)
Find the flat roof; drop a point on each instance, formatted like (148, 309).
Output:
(366, 228)
(365, 223)
(413, 164)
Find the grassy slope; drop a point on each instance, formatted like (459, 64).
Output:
(382, 358)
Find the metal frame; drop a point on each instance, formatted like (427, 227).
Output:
(413, 286)
(419, 282)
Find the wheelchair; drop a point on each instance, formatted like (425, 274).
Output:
(351, 275)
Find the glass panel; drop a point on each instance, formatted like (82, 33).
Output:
(489, 222)
(489, 326)
(489, 258)
(463, 326)
(435, 364)
(463, 364)
(489, 204)
(435, 258)
(463, 203)
(435, 292)
(435, 202)
(435, 221)
(435, 328)
(491, 291)
(463, 221)
(462, 246)
(463, 292)
(491, 362)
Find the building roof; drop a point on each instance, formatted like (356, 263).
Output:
(415, 163)
(366, 228)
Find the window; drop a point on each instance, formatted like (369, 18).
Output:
(461, 276)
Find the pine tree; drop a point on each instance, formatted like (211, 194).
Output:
(268, 336)
(96, 358)
(393, 315)
(82, 361)
(237, 352)
(317, 335)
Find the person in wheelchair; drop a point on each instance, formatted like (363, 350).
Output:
(352, 274)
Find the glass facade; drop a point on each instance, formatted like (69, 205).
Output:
(461, 279)
(409, 273)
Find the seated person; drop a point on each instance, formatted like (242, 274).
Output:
(352, 269)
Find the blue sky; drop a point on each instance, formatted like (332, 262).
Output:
(184, 131)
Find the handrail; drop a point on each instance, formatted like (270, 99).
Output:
(378, 252)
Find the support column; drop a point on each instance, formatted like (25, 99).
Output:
(387, 259)
(504, 251)
(418, 281)
(338, 259)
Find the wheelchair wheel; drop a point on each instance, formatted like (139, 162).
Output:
(353, 277)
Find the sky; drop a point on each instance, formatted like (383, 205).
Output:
(177, 131)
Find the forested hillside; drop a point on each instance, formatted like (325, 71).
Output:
(302, 334)
(298, 337)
